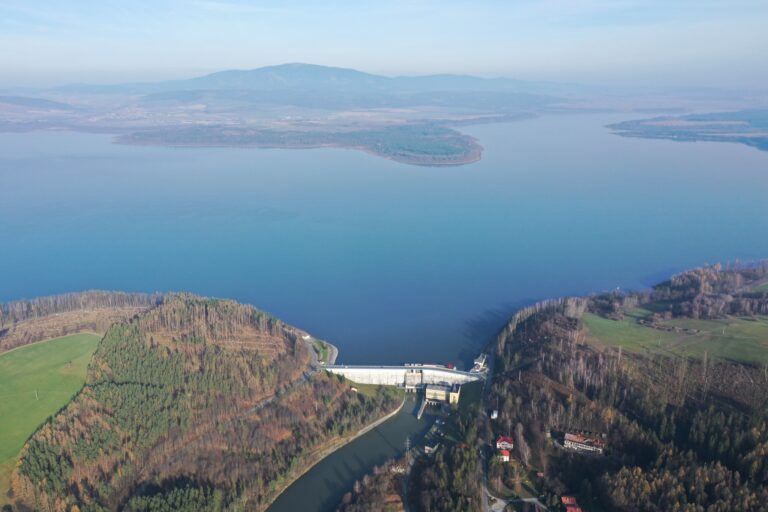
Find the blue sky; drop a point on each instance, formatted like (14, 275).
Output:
(616, 42)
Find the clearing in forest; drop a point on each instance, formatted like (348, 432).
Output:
(735, 338)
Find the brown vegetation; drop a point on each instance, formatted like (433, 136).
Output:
(29, 321)
(686, 433)
(202, 402)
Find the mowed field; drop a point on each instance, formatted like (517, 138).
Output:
(739, 339)
(36, 381)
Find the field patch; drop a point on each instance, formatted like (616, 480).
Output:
(35, 382)
(734, 338)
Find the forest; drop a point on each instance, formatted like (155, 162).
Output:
(195, 404)
(686, 425)
(449, 480)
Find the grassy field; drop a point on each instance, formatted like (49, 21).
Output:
(36, 381)
(740, 339)
(761, 288)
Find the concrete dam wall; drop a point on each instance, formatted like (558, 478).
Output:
(408, 376)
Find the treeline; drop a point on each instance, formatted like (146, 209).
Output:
(683, 433)
(17, 311)
(707, 292)
(197, 401)
(29, 321)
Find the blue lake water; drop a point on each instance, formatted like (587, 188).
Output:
(390, 262)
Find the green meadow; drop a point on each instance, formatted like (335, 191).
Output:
(735, 338)
(35, 382)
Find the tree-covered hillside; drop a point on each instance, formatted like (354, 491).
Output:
(663, 375)
(196, 404)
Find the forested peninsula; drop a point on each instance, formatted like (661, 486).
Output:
(190, 403)
(426, 144)
(749, 127)
(664, 391)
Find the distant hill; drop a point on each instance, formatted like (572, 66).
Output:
(288, 76)
(312, 77)
(24, 101)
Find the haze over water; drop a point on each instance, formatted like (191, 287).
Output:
(392, 263)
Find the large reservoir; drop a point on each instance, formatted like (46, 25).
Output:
(392, 263)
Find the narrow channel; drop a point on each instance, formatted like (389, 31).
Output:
(323, 486)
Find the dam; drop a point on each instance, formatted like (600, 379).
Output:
(408, 376)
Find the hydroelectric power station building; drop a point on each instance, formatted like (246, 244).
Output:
(412, 377)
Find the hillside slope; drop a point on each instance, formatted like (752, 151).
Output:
(196, 404)
(661, 377)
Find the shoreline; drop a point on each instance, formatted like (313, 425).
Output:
(334, 447)
(334, 353)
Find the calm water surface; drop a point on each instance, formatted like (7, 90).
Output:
(390, 262)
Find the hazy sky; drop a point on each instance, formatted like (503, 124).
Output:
(669, 42)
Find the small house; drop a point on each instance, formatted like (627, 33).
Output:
(504, 455)
(504, 443)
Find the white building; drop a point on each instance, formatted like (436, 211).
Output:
(584, 443)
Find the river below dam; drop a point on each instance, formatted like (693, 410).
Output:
(323, 486)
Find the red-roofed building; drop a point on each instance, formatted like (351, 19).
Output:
(504, 443)
(572, 508)
(568, 500)
(504, 455)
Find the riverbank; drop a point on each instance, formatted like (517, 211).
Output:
(322, 452)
